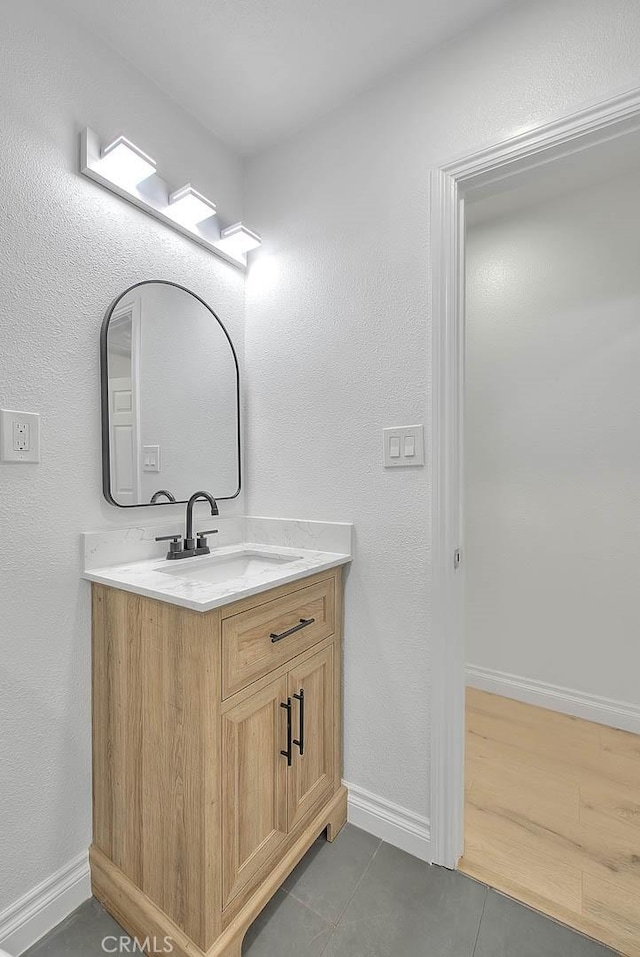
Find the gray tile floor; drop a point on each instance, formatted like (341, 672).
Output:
(359, 897)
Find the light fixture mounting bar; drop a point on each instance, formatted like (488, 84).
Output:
(152, 196)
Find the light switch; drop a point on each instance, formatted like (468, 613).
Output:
(403, 446)
(19, 436)
(150, 458)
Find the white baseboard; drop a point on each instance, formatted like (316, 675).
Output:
(615, 714)
(40, 909)
(390, 822)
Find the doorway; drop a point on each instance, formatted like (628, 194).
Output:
(552, 500)
(598, 136)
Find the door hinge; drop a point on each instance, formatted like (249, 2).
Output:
(457, 558)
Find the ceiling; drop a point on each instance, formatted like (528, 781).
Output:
(255, 71)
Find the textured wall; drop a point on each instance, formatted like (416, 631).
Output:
(337, 337)
(67, 248)
(552, 453)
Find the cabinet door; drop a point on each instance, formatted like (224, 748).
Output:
(311, 772)
(254, 793)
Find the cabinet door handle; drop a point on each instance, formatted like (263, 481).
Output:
(299, 742)
(288, 754)
(290, 631)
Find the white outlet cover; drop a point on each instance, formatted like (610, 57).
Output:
(9, 420)
(400, 441)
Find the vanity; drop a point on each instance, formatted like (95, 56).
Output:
(217, 689)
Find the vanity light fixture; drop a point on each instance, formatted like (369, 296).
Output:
(237, 240)
(123, 169)
(125, 163)
(190, 207)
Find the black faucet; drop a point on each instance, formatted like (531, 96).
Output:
(162, 491)
(189, 546)
(189, 540)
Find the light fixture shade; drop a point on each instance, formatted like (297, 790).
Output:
(189, 207)
(124, 163)
(237, 240)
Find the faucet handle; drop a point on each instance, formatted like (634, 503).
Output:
(176, 544)
(202, 547)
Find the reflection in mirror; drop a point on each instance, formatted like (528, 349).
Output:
(170, 399)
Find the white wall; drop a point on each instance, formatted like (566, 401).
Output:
(67, 248)
(337, 335)
(553, 441)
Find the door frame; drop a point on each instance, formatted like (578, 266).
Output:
(449, 183)
(130, 310)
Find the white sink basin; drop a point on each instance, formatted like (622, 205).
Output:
(223, 568)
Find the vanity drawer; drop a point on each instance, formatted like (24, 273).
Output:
(256, 641)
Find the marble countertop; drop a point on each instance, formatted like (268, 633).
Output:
(155, 577)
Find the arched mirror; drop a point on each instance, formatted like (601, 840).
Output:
(170, 399)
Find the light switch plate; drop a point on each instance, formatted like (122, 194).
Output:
(150, 458)
(19, 436)
(399, 443)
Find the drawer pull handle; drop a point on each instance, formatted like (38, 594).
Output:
(285, 634)
(288, 754)
(299, 742)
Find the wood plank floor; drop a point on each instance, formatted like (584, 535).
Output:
(552, 815)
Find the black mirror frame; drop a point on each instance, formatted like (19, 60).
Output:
(104, 396)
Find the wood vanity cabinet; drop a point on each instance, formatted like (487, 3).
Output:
(217, 756)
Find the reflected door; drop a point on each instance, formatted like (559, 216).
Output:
(124, 416)
(124, 453)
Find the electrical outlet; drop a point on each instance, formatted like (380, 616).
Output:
(19, 436)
